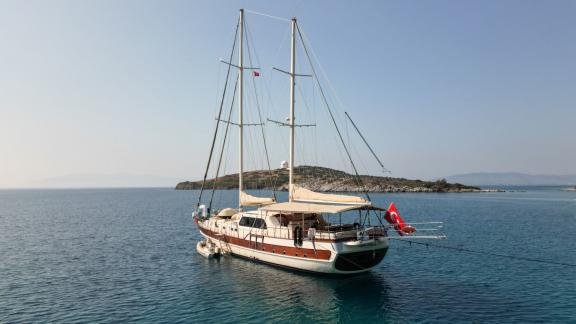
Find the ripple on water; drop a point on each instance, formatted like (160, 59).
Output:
(129, 256)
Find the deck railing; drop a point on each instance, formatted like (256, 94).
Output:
(320, 234)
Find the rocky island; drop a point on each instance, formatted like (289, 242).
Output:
(327, 180)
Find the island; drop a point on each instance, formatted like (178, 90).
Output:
(323, 179)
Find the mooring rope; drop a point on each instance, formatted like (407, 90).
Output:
(512, 257)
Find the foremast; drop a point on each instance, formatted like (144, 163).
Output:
(240, 108)
(244, 199)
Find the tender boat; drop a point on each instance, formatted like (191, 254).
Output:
(208, 249)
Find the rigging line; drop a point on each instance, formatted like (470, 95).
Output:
(272, 179)
(223, 146)
(226, 161)
(366, 142)
(347, 132)
(257, 58)
(314, 131)
(322, 70)
(219, 63)
(299, 89)
(219, 115)
(272, 176)
(513, 257)
(358, 180)
(266, 15)
(304, 153)
(216, 106)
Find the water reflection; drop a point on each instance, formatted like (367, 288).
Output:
(306, 296)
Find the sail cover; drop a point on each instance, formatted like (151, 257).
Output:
(249, 200)
(305, 195)
(308, 208)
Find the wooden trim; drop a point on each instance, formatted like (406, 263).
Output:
(270, 248)
(344, 239)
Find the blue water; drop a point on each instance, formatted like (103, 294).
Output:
(128, 255)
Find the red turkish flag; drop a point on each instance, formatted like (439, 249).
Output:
(393, 217)
(256, 73)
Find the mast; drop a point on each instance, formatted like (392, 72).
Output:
(241, 107)
(292, 83)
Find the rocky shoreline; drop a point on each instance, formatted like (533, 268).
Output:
(329, 180)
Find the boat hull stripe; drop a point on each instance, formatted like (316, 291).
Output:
(270, 248)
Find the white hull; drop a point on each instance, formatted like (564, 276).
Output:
(301, 263)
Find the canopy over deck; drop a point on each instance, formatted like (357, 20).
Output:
(309, 208)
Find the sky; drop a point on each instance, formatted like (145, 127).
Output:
(129, 89)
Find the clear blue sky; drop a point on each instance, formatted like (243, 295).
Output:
(438, 87)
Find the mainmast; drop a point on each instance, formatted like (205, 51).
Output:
(292, 124)
(241, 107)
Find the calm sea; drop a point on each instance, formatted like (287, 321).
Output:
(129, 255)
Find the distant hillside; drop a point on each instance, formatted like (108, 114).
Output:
(328, 180)
(512, 179)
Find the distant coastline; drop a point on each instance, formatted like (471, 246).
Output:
(329, 180)
(513, 179)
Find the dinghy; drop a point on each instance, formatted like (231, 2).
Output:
(208, 249)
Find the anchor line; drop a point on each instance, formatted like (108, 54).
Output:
(512, 257)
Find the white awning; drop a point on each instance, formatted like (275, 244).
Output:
(308, 208)
(249, 200)
(305, 195)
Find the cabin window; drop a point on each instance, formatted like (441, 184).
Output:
(252, 222)
(246, 221)
(243, 221)
(259, 223)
